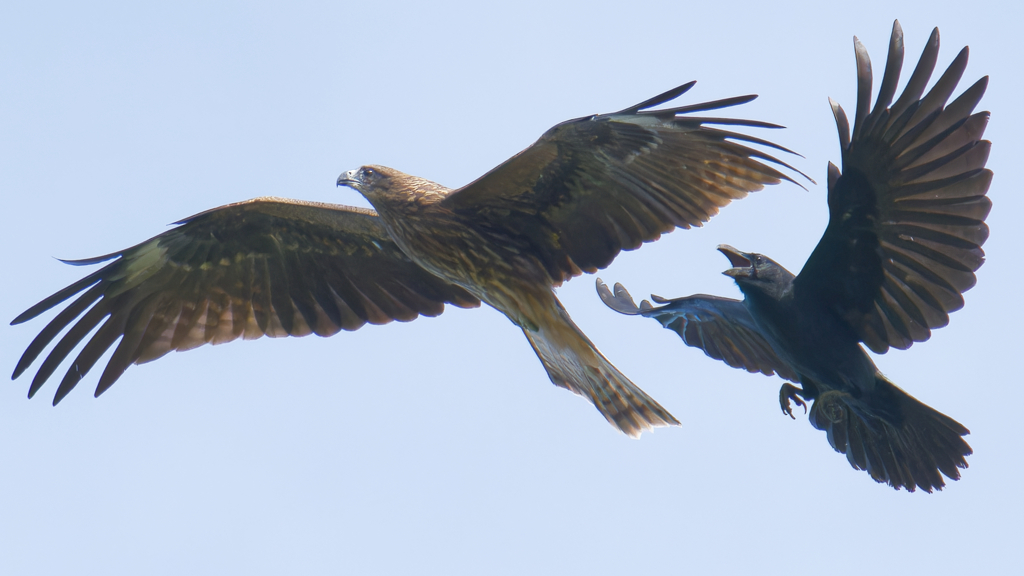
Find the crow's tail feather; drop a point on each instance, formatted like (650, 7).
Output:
(908, 454)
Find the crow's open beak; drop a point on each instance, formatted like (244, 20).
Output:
(741, 264)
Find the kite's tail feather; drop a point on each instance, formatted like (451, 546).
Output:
(572, 362)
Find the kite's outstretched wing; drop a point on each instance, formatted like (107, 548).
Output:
(907, 215)
(267, 266)
(594, 186)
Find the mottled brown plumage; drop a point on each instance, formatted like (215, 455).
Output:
(267, 266)
(569, 203)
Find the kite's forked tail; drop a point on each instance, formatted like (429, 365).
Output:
(572, 362)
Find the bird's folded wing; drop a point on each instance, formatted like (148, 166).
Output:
(907, 214)
(721, 327)
(594, 186)
(266, 266)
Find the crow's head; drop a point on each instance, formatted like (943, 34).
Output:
(755, 271)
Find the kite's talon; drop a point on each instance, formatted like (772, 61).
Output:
(790, 392)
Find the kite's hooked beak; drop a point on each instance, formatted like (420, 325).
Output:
(742, 265)
(352, 179)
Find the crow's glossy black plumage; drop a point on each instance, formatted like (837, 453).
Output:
(904, 239)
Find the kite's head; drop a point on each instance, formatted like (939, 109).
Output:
(370, 181)
(385, 187)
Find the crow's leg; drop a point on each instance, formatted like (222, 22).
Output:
(790, 392)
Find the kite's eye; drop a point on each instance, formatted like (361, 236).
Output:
(369, 172)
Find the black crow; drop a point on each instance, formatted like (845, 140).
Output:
(906, 226)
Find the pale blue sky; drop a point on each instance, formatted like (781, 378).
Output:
(439, 446)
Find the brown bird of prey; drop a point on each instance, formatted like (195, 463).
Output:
(569, 203)
(903, 241)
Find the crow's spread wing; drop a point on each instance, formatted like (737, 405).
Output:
(907, 213)
(721, 327)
